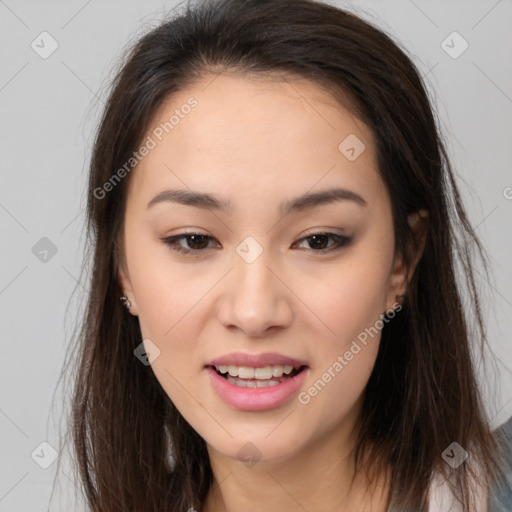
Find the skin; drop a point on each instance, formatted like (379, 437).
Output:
(259, 142)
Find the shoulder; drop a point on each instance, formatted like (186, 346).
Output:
(497, 499)
(442, 499)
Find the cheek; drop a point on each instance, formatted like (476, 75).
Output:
(172, 313)
(169, 305)
(351, 305)
(345, 359)
(166, 292)
(351, 298)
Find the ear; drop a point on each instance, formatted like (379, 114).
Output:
(402, 274)
(126, 286)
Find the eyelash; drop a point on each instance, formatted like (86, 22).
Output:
(171, 242)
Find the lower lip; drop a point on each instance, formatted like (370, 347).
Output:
(256, 399)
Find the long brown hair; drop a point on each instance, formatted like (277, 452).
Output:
(422, 394)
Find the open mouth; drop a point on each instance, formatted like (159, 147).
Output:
(262, 377)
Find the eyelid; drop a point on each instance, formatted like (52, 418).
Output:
(322, 231)
(171, 242)
(342, 242)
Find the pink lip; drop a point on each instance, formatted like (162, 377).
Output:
(256, 360)
(256, 399)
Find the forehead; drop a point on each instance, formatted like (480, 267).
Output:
(256, 136)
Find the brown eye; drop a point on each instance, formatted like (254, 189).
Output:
(192, 242)
(189, 243)
(197, 241)
(319, 242)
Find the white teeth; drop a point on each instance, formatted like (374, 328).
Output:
(277, 371)
(245, 372)
(261, 373)
(253, 383)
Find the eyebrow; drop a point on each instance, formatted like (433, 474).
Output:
(300, 203)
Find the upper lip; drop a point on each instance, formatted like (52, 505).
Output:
(256, 360)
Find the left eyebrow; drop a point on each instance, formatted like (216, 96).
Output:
(300, 203)
(322, 197)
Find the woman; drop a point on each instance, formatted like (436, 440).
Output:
(271, 202)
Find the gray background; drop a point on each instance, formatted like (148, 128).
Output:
(49, 108)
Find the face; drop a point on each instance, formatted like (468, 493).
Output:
(252, 277)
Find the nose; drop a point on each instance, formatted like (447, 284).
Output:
(255, 298)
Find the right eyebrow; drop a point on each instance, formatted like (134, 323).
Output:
(190, 198)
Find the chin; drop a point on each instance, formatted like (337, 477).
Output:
(257, 447)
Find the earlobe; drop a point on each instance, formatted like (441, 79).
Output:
(398, 285)
(402, 273)
(418, 221)
(127, 298)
